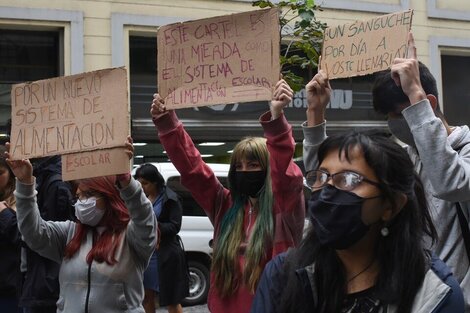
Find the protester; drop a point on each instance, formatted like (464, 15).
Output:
(262, 212)
(166, 274)
(10, 240)
(408, 95)
(40, 285)
(364, 252)
(103, 254)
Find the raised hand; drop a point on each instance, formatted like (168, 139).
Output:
(405, 73)
(158, 107)
(318, 92)
(282, 96)
(124, 179)
(23, 169)
(129, 145)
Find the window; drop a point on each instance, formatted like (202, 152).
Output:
(143, 73)
(456, 94)
(26, 56)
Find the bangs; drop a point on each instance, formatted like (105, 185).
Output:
(344, 145)
(251, 149)
(103, 185)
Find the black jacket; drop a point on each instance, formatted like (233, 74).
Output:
(439, 293)
(41, 281)
(10, 243)
(172, 267)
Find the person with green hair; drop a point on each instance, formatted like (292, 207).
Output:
(262, 212)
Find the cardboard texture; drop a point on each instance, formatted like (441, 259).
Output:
(226, 59)
(82, 112)
(95, 163)
(365, 47)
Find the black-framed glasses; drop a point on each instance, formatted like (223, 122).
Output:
(346, 180)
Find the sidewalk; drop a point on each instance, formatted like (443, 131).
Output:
(189, 309)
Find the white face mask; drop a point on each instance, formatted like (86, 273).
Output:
(400, 129)
(87, 212)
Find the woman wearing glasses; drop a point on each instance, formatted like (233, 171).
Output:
(365, 249)
(104, 254)
(364, 252)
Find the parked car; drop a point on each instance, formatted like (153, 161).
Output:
(196, 231)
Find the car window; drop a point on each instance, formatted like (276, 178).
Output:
(190, 206)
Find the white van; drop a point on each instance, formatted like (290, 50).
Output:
(196, 231)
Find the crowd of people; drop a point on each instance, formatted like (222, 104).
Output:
(388, 233)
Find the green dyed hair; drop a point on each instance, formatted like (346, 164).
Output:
(227, 272)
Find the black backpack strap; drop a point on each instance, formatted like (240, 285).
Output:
(465, 228)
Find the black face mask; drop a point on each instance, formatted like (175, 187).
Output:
(249, 182)
(336, 217)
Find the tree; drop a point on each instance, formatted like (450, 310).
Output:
(302, 39)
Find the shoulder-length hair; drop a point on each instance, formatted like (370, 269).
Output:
(227, 273)
(115, 221)
(7, 193)
(401, 256)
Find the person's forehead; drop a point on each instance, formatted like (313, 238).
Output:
(83, 188)
(334, 163)
(246, 159)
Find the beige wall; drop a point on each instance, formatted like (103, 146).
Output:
(96, 32)
(97, 20)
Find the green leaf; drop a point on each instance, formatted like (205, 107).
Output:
(304, 39)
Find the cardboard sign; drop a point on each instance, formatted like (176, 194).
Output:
(62, 115)
(226, 59)
(95, 163)
(365, 47)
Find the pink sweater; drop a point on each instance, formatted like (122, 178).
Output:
(288, 205)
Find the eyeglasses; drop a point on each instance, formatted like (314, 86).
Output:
(84, 196)
(346, 180)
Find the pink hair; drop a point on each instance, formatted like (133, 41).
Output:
(115, 221)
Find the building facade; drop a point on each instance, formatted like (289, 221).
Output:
(46, 38)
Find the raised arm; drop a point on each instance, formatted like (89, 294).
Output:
(314, 129)
(46, 238)
(286, 176)
(142, 228)
(195, 174)
(445, 156)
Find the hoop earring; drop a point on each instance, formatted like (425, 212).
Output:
(384, 231)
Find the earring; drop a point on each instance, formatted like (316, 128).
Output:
(384, 231)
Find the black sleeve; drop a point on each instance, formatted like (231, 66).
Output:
(9, 227)
(170, 227)
(269, 292)
(58, 204)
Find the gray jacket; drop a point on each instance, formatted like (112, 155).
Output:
(443, 163)
(116, 288)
